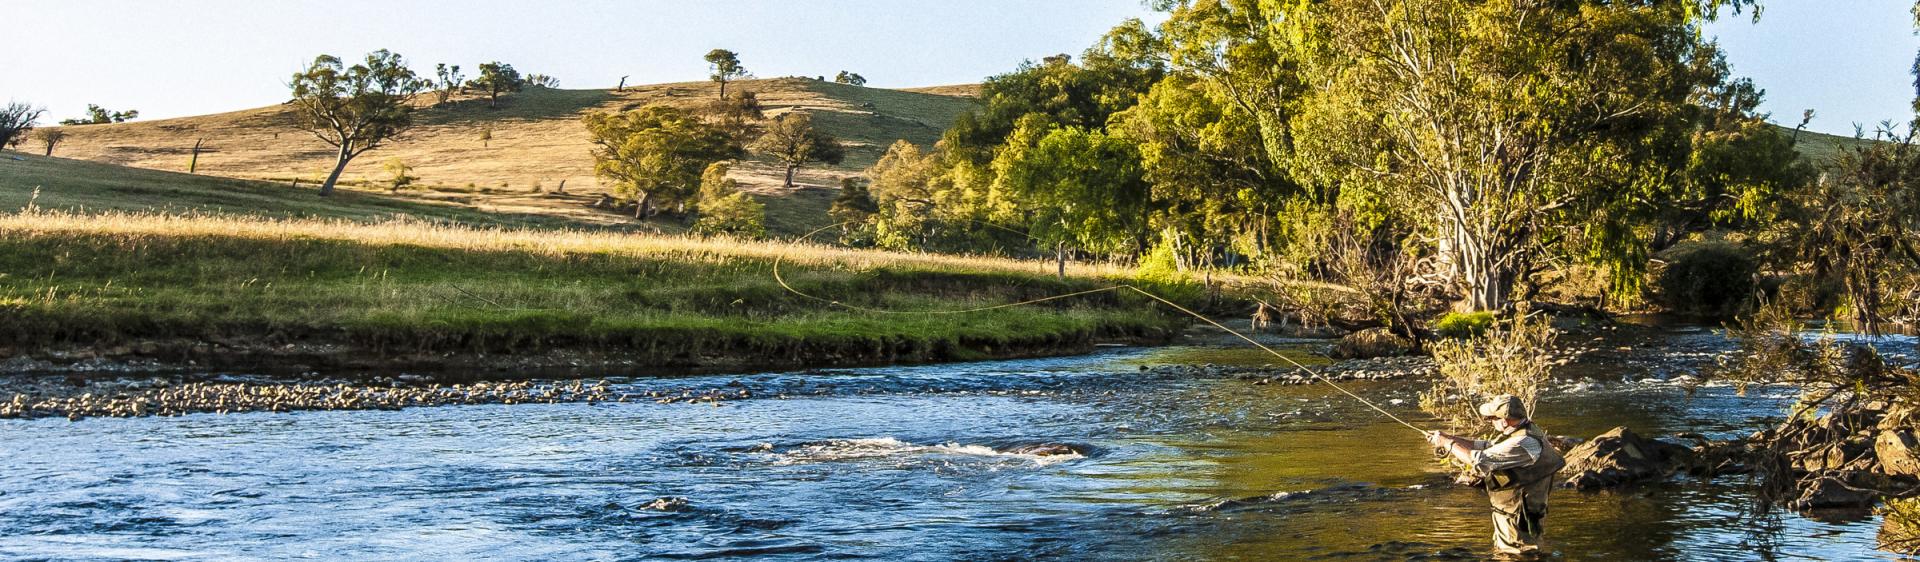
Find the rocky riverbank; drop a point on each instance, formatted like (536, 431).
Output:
(74, 399)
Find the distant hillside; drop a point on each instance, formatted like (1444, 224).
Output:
(537, 139)
(77, 185)
(1822, 148)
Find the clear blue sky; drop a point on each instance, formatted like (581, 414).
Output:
(1848, 59)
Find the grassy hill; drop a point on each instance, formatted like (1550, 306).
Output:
(62, 184)
(1822, 148)
(537, 142)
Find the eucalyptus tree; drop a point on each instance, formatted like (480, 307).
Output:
(795, 142)
(726, 67)
(49, 138)
(447, 80)
(1494, 129)
(655, 154)
(355, 108)
(16, 120)
(497, 78)
(1079, 188)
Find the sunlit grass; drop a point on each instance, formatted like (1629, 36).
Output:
(68, 277)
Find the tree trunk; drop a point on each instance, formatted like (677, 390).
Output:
(790, 169)
(326, 189)
(641, 207)
(723, 89)
(1487, 274)
(49, 148)
(192, 165)
(1060, 253)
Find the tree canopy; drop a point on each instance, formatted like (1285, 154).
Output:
(355, 108)
(97, 115)
(16, 120)
(655, 154)
(726, 67)
(793, 140)
(497, 78)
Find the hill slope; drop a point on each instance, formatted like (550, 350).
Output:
(537, 139)
(80, 186)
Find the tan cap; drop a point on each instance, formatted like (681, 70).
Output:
(1504, 406)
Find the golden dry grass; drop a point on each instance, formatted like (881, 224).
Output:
(545, 242)
(537, 136)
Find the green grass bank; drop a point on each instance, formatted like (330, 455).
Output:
(293, 294)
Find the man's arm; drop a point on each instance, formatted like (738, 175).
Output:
(1457, 447)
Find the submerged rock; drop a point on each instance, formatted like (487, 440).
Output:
(1828, 493)
(667, 504)
(1371, 343)
(1620, 457)
(1043, 450)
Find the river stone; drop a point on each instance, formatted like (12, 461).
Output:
(1371, 343)
(1043, 450)
(1896, 449)
(667, 504)
(1620, 457)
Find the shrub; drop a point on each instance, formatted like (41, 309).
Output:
(1459, 325)
(1714, 279)
(1513, 358)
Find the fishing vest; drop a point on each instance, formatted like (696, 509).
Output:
(1549, 463)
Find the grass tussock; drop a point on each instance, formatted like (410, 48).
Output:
(405, 286)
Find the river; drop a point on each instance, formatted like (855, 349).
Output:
(894, 463)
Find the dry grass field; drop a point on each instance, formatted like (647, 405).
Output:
(537, 143)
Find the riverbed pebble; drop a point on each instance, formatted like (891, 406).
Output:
(144, 397)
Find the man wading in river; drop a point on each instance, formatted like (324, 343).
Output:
(1518, 469)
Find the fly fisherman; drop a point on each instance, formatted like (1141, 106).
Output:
(1517, 467)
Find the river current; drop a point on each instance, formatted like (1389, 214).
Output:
(892, 463)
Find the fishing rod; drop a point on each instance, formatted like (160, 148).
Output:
(778, 258)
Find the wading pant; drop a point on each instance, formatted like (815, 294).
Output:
(1519, 517)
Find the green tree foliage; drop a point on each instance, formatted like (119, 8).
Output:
(1077, 187)
(1493, 128)
(949, 198)
(853, 208)
(1212, 177)
(845, 77)
(1064, 93)
(97, 115)
(448, 79)
(1739, 167)
(793, 140)
(1859, 226)
(355, 108)
(726, 67)
(738, 114)
(399, 175)
(16, 120)
(497, 78)
(724, 209)
(655, 154)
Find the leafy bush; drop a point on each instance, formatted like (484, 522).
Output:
(1458, 325)
(1714, 279)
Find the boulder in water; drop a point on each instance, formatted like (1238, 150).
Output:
(1371, 343)
(1898, 451)
(1620, 457)
(1043, 450)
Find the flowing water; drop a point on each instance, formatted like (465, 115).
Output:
(901, 463)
